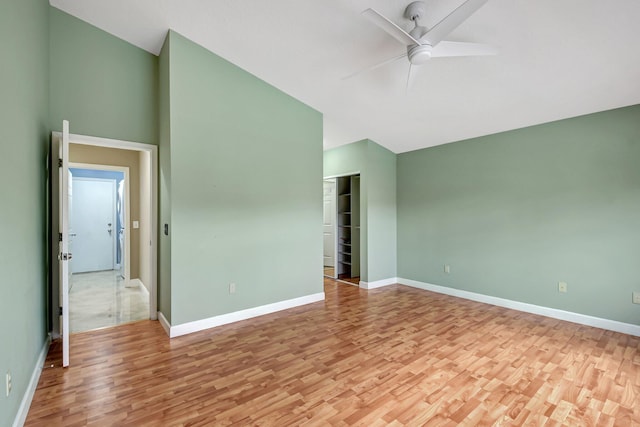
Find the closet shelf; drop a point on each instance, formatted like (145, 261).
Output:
(348, 212)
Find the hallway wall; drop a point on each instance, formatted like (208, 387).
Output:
(113, 157)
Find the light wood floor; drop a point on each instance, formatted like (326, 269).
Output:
(390, 356)
(352, 280)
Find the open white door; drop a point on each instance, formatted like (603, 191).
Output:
(64, 255)
(328, 226)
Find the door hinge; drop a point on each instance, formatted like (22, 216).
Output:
(59, 311)
(65, 257)
(59, 237)
(59, 163)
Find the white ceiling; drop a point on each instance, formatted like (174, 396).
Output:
(558, 59)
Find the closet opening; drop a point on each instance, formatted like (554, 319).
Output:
(341, 228)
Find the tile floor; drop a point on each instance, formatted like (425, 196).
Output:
(100, 299)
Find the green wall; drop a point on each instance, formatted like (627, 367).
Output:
(104, 86)
(517, 212)
(24, 142)
(377, 168)
(246, 188)
(381, 207)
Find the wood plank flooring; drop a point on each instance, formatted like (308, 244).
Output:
(390, 356)
(352, 280)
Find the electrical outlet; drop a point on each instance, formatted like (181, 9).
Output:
(447, 268)
(562, 287)
(636, 298)
(232, 288)
(8, 383)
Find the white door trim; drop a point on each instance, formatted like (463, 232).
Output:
(153, 152)
(127, 209)
(342, 175)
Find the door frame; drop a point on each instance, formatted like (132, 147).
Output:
(153, 202)
(127, 213)
(335, 177)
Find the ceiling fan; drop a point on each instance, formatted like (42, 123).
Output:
(426, 43)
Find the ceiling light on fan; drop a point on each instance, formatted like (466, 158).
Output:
(423, 43)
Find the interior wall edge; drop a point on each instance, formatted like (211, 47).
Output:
(164, 323)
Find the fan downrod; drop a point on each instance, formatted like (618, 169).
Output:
(418, 53)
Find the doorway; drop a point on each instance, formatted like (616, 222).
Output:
(101, 293)
(341, 228)
(94, 223)
(135, 253)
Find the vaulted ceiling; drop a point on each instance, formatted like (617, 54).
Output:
(557, 59)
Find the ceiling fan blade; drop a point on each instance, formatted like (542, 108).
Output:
(378, 65)
(446, 48)
(452, 21)
(392, 29)
(409, 78)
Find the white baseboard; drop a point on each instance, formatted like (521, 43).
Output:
(582, 319)
(164, 323)
(135, 283)
(25, 404)
(223, 319)
(379, 283)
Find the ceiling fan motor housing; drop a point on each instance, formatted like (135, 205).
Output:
(419, 53)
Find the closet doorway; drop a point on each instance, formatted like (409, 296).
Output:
(341, 228)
